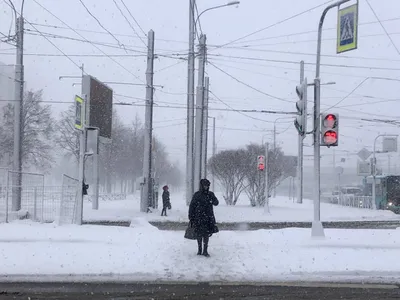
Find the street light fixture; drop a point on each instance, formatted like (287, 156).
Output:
(230, 3)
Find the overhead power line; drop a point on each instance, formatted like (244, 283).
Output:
(296, 62)
(312, 31)
(129, 23)
(104, 33)
(273, 25)
(249, 86)
(98, 22)
(115, 61)
(313, 54)
(134, 19)
(383, 27)
(78, 55)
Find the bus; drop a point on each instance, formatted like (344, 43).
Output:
(387, 191)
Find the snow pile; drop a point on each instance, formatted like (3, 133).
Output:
(281, 210)
(143, 224)
(122, 253)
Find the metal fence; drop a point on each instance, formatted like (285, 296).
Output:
(351, 201)
(39, 202)
(22, 200)
(68, 200)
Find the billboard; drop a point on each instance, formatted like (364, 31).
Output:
(100, 98)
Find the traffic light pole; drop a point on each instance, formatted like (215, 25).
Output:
(317, 228)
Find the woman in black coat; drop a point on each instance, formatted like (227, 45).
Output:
(166, 201)
(201, 215)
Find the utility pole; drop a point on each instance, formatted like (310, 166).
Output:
(300, 150)
(274, 188)
(96, 177)
(199, 113)
(190, 107)
(214, 150)
(146, 194)
(205, 129)
(18, 112)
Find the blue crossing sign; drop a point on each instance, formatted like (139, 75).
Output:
(347, 31)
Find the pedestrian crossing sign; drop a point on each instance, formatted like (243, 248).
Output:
(79, 113)
(347, 28)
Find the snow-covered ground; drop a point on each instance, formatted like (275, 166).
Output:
(45, 252)
(281, 209)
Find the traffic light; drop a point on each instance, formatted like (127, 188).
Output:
(261, 162)
(329, 130)
(301, 119)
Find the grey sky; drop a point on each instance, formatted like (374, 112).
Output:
(169, 21)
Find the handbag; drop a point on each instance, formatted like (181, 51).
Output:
(190, 233)
(216, 229)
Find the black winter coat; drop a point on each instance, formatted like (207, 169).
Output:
(165, 199)
(201, 213)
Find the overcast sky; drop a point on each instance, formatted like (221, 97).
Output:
(260, 64)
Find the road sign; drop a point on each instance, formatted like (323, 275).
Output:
(347, 28)
(339, 170)
(99, 97)
(389, 144)
(363, 168)
(363, 154)
(79, 113)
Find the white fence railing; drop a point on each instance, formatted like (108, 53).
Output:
(351, 201)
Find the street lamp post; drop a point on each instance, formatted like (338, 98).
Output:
(190, 97)
(317, 228)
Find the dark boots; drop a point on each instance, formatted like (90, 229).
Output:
(203, 250)
(200, 251)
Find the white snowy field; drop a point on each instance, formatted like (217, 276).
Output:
(281, 210)
(45, 252)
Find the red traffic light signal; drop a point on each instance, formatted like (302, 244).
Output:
(330, 137)
(330, 121)
(261, 166)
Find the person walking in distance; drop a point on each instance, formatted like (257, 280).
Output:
(166, 201)
(201, 216)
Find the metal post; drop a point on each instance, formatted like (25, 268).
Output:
(147, 157)
(214, 150)
(199, 116)
(317, 228)
(81, 167)
(300, 151)
(274, 187)
(266, 194)
(18, 112)
(205, 130)
(96, 179)
(35, 203)
(190, 106)
(7, 194)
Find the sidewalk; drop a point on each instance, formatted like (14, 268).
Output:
(48, 253)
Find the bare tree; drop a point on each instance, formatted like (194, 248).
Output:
(279, 167)
(67, 137)
(36, 131)
(229, 168)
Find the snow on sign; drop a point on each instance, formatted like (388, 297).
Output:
(363, 168)
(364, 154)
(347, 28)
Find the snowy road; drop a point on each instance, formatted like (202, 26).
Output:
(141, 291)
(232, 226)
